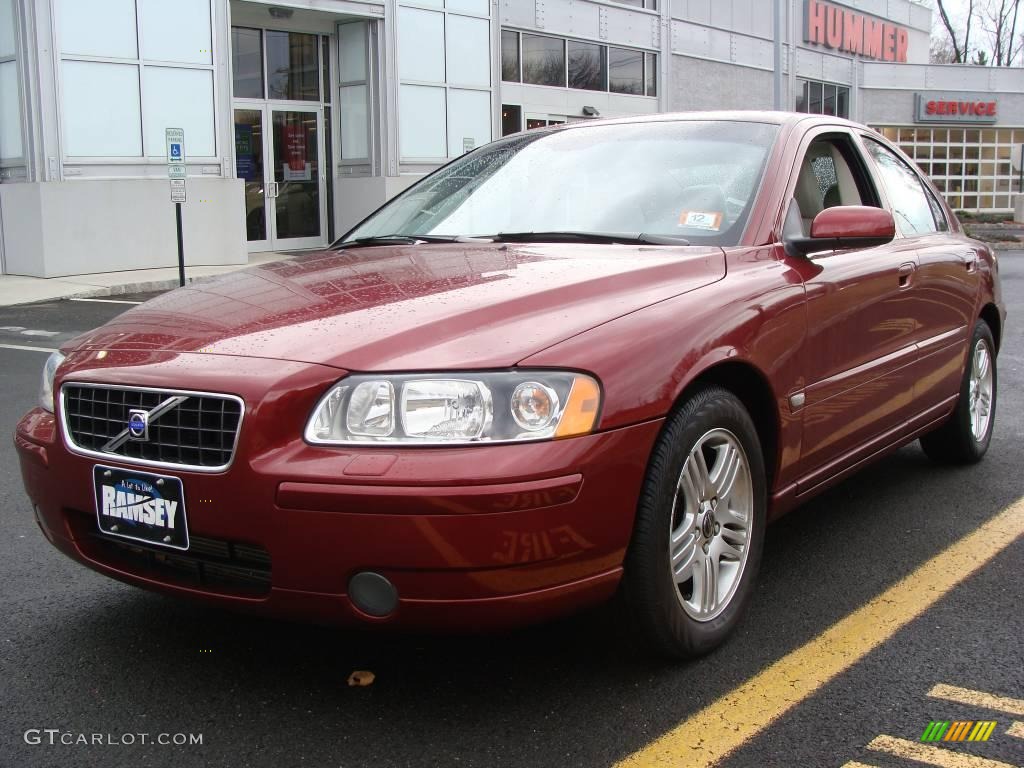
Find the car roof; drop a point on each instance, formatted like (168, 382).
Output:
(737, 116)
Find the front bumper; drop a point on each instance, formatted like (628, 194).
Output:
(484, 536)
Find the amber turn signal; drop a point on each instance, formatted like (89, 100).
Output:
(581, 410)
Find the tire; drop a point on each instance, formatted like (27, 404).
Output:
(964, 437)
(681, 510)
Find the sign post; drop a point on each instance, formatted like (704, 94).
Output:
(176, 173)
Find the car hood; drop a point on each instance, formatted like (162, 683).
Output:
(433, 306)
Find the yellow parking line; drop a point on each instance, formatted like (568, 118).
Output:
(1016, 729)
(855, 764)
(723, 726)
(923, 753)
(978, 699)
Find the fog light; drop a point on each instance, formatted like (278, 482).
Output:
(373, 594)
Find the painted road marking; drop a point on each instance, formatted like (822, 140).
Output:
(109, 301)
(855, 764)
(978, 699)
(27, 348)
(1016, 729)
(924, 753)
(723, 726)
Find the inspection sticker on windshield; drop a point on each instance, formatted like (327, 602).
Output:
(701, 220)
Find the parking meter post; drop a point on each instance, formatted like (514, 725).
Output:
(181, 247)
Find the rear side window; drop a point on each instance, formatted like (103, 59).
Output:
(937, 212)
(912, 206)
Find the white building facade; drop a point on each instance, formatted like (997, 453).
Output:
(300, 117)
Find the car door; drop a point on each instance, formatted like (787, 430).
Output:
(947, 277)
(862, 318)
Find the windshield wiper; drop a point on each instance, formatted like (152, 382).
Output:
(409, 240)
(627, 238)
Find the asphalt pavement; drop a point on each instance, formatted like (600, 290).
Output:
(90, 657)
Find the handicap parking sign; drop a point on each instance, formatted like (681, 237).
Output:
(175, 146)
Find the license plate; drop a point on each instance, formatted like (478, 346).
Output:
(140, 506)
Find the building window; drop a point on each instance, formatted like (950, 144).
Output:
(577, 64)
(651, 73)
(247, 63)
(542, 121)
(353, 91)
(510, 56)
(293, 66)
(445, 79)
(511, 119)
(10, 101)
(588, 69)
(976, 170)
(129, 73)
(625, 71)
(543, 60)
(818, 98)
(651, 5)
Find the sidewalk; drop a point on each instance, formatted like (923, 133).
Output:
(15, 289)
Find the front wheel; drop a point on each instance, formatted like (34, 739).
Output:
(699, 529)
(964, 438)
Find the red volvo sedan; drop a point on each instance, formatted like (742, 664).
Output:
(575, 362)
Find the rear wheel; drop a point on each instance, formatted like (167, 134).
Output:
(699, 529)
(964, 438)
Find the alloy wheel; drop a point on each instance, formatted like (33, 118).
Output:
(712, 512)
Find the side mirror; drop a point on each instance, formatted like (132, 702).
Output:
(845, 226)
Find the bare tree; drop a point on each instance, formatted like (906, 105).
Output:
(941, 51)
(999, 20)
(960, 51)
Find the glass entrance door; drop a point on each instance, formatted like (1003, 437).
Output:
(278, 153)
(296, 179)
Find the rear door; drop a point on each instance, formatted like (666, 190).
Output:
(947, 278)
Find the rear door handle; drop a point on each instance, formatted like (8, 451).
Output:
(906, 272)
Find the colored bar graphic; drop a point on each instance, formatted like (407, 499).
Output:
(958, 730)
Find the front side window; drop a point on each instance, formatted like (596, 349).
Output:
(689, 179)
(907, 196)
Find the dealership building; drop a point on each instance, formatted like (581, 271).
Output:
(301, 116)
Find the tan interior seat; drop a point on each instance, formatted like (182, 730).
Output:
(810, 196)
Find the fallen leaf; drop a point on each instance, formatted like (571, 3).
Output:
(361, 678)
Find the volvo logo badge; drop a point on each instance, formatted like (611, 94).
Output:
(138, 425)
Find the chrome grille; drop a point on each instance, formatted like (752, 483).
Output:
(189, 429)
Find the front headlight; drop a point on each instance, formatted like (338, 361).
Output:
(46, 385)
(433, 409)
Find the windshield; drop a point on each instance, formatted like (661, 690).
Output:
(682, 179)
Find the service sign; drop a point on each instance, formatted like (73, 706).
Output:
(955, 108)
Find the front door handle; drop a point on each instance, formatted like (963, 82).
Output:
(906, 273)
